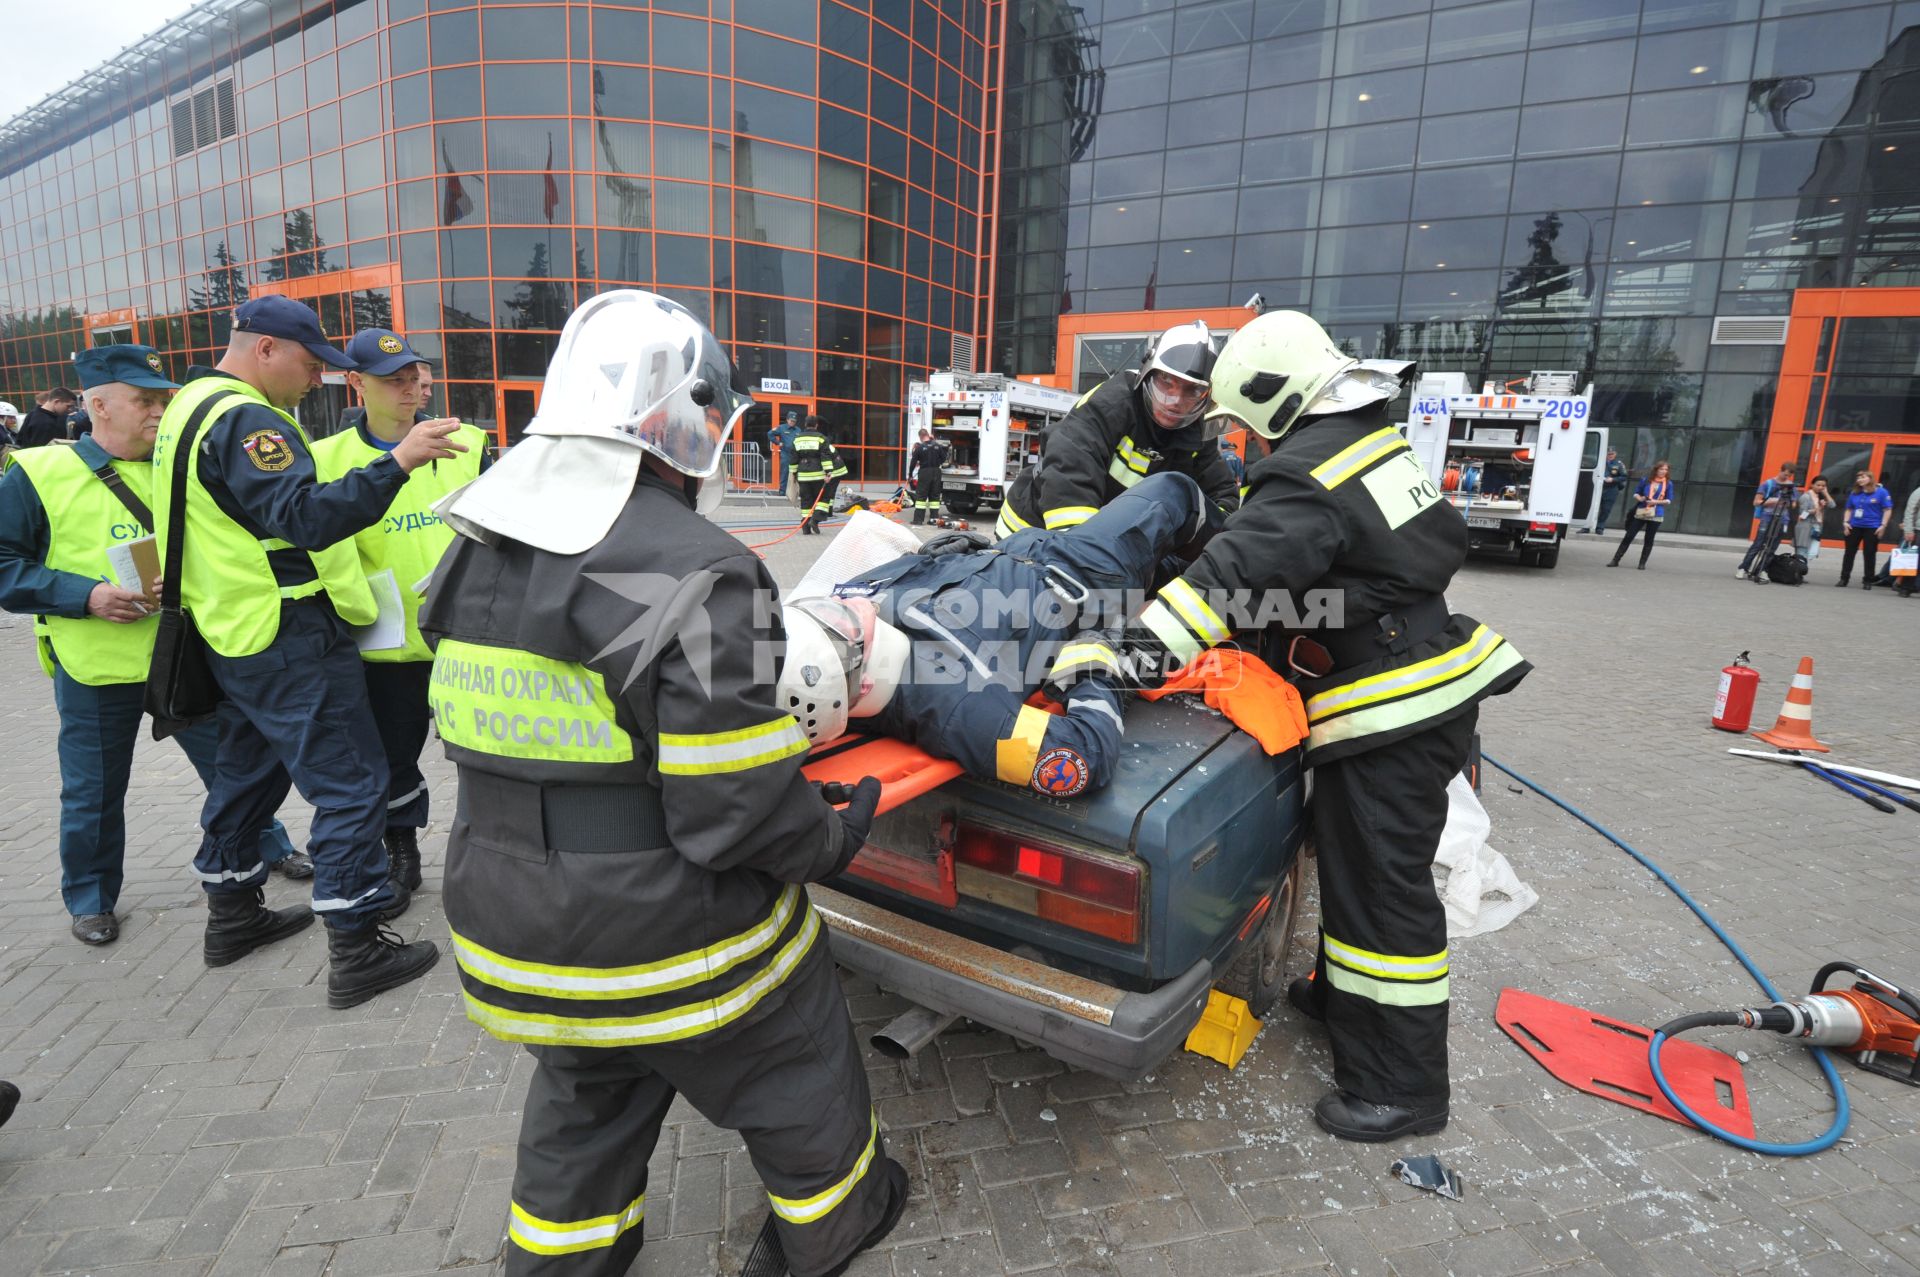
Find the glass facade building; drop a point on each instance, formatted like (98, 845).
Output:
(856, 191)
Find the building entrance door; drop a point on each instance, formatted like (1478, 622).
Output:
(515, 403)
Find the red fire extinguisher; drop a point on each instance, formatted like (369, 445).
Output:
(1733, 705)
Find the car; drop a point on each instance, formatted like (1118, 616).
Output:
(1094, 926)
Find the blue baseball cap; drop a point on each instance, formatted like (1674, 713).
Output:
(380, 352)
(133, 365)
(283, 317)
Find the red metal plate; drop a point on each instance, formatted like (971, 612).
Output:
(1608, 1058)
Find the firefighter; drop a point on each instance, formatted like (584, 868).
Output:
(836, 471)
(813, 459)
(625, 872)
(1139, 422)
(923, 471)
(394, 383)
(944, 649)
(1341, 505)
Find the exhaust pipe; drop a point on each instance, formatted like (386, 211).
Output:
(907, 1032)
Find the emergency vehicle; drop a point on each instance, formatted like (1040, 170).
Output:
(1521, 467)
(990, 423)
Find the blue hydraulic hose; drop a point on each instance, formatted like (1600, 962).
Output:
(1842, 1110)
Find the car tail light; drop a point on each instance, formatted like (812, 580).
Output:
(1095, 894)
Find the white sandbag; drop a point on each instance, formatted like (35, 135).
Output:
(1477, 885)
(867, 541)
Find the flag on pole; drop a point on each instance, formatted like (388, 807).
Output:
(550, 199)
(1152, 280)
(1066, 295)
(455, 203)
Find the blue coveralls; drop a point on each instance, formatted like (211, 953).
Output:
(296, 713)
(986, 626)
(98, 724)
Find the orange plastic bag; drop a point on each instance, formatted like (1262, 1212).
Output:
(1241, 686)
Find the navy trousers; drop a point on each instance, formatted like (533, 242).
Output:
(296, 715)
(397, 692)
(98, 728)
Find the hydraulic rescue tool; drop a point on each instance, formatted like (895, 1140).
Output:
(1876, 1021)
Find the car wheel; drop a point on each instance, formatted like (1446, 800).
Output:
(1259, 975)
(964, 507)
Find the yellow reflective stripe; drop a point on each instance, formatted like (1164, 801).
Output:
(674, 1025)
(711, 753)
(1392, 993)
(1385, 965)
(1069, 516)
(805, 1210)
(1118, 472)
(1136, 460)
(306, 590)
(1015, 755)
(545, 1237)
(275, 543)
(664, 976)
(1193, 609)
(1354, 458)
(1009, 522)
(1411, 678)
(1172, 633)
(1078, 655)
(1414, 709)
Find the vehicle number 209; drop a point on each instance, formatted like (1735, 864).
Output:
(1565, 408)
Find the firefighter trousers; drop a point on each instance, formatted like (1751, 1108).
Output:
(809, 496)
(791, 1083)
(1377, 818)
(926, 491)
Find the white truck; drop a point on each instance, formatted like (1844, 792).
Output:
(991, 424)
(1520, 467)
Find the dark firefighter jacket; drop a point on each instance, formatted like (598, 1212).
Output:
(814, 457)
(1342, 516)
(926, 459)
(1104, 446)
(988, 627)
(626, 865)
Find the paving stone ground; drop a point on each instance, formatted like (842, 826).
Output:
(179, 1121)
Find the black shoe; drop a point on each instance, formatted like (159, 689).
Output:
(896, 1206)
(401, 899)
(238, 922)
(919, 517)
(1841, 584)
(1613, 563)
(1641, 566)
(294, 865)
(1300, 996)
(1351, 1118)
(370, 960)
(1866, 585)
(95, 928)
(9, 1100)
(403, 858)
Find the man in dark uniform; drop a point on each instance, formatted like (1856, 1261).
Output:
(943, 649)
(48, 419)
(625, 874)
(923, 471)
(781, 437)
(1139, 422)
(1342, 505)
(272, 580)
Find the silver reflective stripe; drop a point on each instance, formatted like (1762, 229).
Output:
(406, 798)
(1099, 707)
(920, 618)
(232, 875)
(333, 905)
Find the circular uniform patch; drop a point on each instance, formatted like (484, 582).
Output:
(153, 362)
(390, 345)
(1060, 772)
(268, 450)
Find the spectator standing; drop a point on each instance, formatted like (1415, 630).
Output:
(1910, 529)
(1814, 502)
(782, 438)
(9, 425)
(48, 420)
(1768, 499)
(1869, 510)
(1613, 480)
(60, 508)
(1235, 464)
(1650, 501)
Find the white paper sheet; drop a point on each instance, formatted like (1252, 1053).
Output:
(389, 628)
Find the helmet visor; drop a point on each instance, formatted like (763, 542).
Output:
(1174, 401)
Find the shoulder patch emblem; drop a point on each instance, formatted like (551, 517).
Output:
(389, 345)
(1061, 773)
(268, 450)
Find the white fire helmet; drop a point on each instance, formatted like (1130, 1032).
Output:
(1282, 366)
(8, 410)
(842, 661)
(1185, 354)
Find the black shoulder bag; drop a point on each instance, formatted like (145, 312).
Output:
(181, 690)
(118, 486)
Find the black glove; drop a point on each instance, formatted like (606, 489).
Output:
(954, 543)
(856, 818)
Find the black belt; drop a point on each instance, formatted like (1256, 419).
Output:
(1394, 634)
(573, 818)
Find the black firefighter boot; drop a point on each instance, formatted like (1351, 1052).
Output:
(238, 922)
(403, 857)
(919, 514)
(371, 959)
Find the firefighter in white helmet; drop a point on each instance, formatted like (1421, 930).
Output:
(626, 872)
(1341, 505)
(1142, 421)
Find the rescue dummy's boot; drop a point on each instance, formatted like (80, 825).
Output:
(403, 858)
(238, 922)
(1351, 1118)
(371, 959)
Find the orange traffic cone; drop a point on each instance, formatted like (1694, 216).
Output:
(1794, 728)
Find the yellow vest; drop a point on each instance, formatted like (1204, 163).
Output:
(83, 519)
(226, 581)
(411, 538)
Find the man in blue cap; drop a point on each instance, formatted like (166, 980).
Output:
(271, 579)
(399, 553)
(60, 511)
